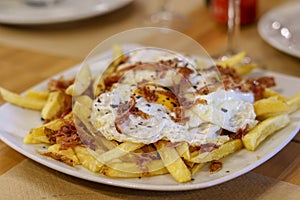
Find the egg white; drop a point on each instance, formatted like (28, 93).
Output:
(230, 110)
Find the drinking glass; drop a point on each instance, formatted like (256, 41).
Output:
(233, 26)
(166, 18)
(238, 12)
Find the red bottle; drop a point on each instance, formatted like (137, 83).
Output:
(248, 9)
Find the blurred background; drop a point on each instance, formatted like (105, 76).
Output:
(77, 38)
(72, 28)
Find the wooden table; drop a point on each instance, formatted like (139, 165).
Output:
(28, 55)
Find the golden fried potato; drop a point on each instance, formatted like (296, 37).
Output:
(224, 150)
(53, 106)
(85, 100)
(183, 150)
(70, 90)
(82, 112)
(271, 93)
(37, 94)
(67, 156)
(83, 81)
(86, 159)
(294, 103)
(264, 129)
(118, 57)
(269, 107)
(37, 135)
(232, 60)
(173, 162)
(245, 69)
(22, 101)
(132, 170)
(196, 167)
(117, 152)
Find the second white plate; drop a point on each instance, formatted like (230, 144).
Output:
(287, 16)
(19, 13)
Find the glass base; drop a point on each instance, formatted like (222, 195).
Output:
(166, 19)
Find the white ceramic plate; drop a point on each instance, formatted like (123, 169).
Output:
(16, 122)
(17, 12)
(288, 16)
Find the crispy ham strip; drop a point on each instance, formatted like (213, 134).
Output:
(66, 136)
(231, 80)
(124, 110)
(60, 84)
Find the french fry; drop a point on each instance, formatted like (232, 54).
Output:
(269, 107)
(86, 159)
(98, 85)
(271, 93)
(83, 81)
(233, 60)
(118, 54)
(183, 150)
(118, 57)
(82, 110)
(53, 105)
(22, 101)
(85, 100)
(132, 170)
(135, 166)
(276, 104)
(83, 113)
(67, 156)
(37, 135)
(243, 70)
(294, 103)
(117, 152)
(196, 167)
(173, 162)
(37, 94)
(107, 144)
(200, 64)
(264, 129)
(224, 150)
(70, 90)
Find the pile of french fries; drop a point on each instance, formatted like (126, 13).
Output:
(126, 159)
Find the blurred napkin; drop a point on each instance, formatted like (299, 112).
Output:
(30, 180)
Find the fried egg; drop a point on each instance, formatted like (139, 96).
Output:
(123, 114)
